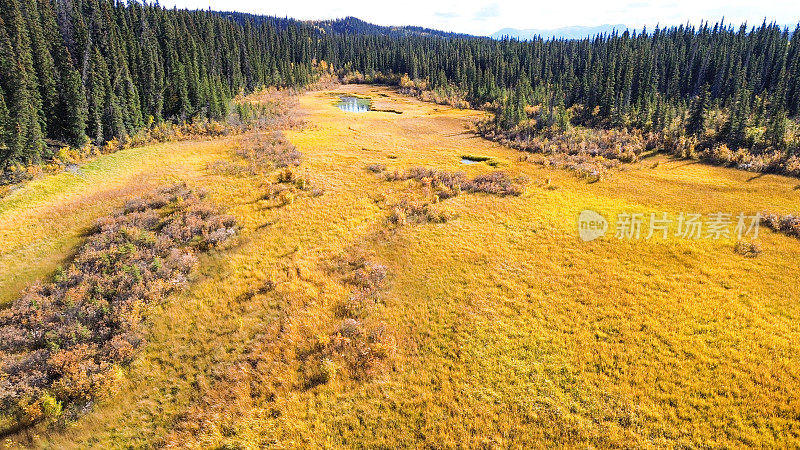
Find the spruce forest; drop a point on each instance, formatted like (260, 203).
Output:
(74, 72)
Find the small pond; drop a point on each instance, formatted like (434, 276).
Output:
(354, 104)
(468, 161)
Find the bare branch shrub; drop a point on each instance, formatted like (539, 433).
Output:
(450, 184)
(788, 225)
(747, 249)
(61, 341)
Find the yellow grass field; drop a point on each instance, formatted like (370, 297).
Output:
(508, 331)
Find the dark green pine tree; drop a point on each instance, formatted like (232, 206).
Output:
(5, 132)
(793, 58)
(776, 124)
(18, 80)
(72, 109)
(67, 121)
(607, 98)
(97, 78)
(737, 123)
(698, 110)
(739, 114)
(42, 64)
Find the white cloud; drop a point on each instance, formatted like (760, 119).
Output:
(476, 17)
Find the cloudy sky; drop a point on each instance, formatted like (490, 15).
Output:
(482, 17)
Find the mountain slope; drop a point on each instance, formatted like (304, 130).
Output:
(347, 25)
(354, 25)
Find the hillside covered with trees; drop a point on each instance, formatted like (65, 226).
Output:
(79, 71)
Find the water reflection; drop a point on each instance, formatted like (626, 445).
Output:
(354, 104)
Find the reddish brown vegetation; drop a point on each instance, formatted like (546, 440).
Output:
(747, 249)
(61, 342)
(788, 225)
(359, 342)
(409, 211)
(260, 153)
(449, 184)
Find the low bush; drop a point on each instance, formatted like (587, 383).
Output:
(360, 346)
(359, 341)
(747, 249)
(407, 211)
(592, 168)
(61, 342)
(630, 145)
(287, 176)
(269, 150)
(259, 154)
(615, 144)
(376, 168)
(767, 161)
(495, 183)
(450, 184)
(788, 225)
(355, 270)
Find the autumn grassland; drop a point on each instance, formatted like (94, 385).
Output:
(496, 325)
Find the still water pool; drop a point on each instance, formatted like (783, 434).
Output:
(354, 104)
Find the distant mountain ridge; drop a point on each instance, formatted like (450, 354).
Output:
(575, 32)
(354, 25)
(346, 25)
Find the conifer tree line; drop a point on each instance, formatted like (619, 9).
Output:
(78, 71)
(641, 80)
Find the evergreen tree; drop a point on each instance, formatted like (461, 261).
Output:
(71, 109)
(97, 80)
(697, 113)
(43, 66)
(18, 79)
(739, 113)
(776, 126)
(5, 132)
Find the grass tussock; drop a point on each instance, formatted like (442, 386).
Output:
(63, 342)
(445, 184)
(410, 211)
(747, 249)
(359, 343)
(259, 154)
(590, 168)
(788, 224)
